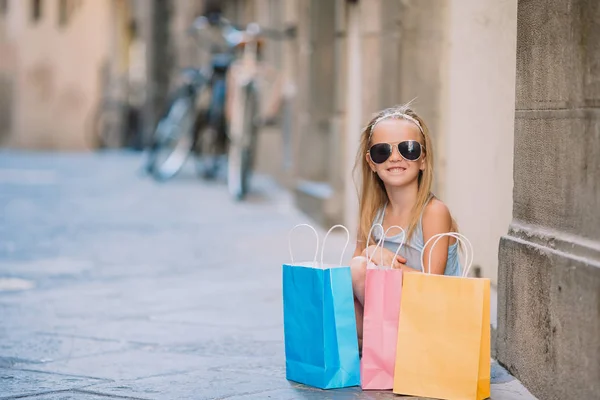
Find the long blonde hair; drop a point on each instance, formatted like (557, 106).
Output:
(372, 195)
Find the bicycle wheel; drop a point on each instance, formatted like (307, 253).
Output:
(108, 126)
(242, 146)
(212, 133)
(173, 138)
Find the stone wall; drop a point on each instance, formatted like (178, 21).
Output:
(549, 277)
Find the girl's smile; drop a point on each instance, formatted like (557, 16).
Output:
(396, 170)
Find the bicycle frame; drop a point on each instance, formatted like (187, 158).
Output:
(242, 74)
(226, 119)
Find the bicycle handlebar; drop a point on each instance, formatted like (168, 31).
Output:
(252, 29)
(289, 32)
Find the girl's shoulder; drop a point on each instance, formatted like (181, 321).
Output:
(436, 215)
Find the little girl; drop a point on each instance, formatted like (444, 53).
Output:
(395, 158)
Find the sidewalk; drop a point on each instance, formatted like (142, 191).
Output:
(113, 286)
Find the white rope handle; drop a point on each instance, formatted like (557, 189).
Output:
(460, 238)
(290, 241)
(378, 243)
(345, 246)
(468, 247)
(382, 241)
(399, 246)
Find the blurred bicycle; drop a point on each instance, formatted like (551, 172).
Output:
(216, 109)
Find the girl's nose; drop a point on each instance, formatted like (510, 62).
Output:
(395, 154)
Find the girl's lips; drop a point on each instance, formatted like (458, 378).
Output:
(396, 170)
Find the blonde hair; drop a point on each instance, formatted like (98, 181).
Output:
(372, 195)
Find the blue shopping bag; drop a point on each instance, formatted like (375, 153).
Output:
(321, 345)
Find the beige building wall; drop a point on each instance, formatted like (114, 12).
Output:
(56, 71)
(456, 61)
(394, 55)
(478, 122)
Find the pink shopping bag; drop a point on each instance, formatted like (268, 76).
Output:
(383, 291)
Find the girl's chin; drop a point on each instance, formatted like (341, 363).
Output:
(398, 180)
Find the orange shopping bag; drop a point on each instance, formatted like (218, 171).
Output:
(443, 346)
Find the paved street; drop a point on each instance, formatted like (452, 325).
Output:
(114, 286)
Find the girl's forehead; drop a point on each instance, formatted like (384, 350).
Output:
(395, 130)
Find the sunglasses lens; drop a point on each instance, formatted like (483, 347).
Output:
(380, 152)
(410, 150)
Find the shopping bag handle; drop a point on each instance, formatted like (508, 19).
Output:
(399, 246)
(381, 241)
(460, 238)
(290, 240)
(377, 245)
(345, 246)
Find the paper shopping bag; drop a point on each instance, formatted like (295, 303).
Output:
(321, 345)
(383, 290)
(443, 346)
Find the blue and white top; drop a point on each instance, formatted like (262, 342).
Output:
(411, 251)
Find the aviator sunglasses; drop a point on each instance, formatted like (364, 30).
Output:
(410, 150)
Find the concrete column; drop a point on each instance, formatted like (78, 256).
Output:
(317, 153)
(354, 107)
(184, 48)
(303, 94)
(145, 12)
(549, 276)
(7, 73)
(390, 45)
(289, 63)
(158, 56)
(422, 70)
(370, 31)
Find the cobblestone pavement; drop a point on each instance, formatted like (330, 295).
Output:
(114, 286)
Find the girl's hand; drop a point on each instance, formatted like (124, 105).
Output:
(386, 259)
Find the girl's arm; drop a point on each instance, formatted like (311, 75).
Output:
(436, 219)
(360, 248)
(406, 268)
(378, 255)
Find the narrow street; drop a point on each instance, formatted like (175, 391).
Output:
(114, 286)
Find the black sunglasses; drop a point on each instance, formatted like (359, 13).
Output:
(410, 150)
